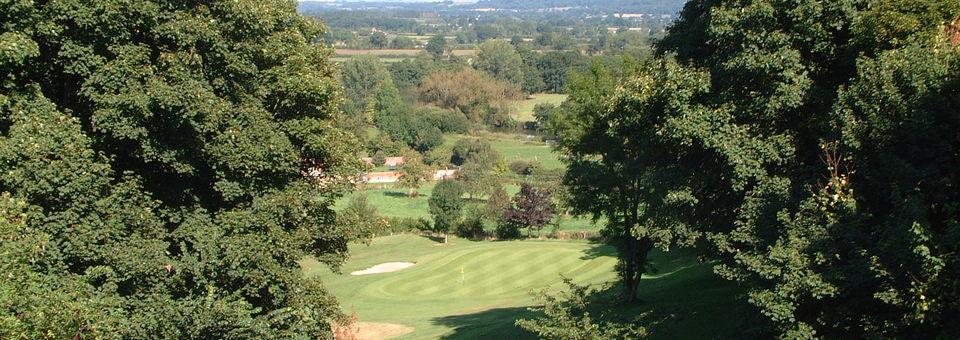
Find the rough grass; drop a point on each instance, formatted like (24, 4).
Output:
(471, 289)
(525, 107)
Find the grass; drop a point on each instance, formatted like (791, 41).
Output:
(515, 147)
(468, 289)
(525, 107)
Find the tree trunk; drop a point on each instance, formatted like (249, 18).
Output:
(444, 238)
(634, 254)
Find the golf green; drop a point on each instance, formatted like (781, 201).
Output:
(467, 289)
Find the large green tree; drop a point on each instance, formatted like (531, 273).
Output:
(619, 170)
(501, 60)
(446, 206)
(157, 160)
(812, 143)
(766, 137)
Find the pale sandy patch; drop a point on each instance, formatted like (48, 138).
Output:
(384, 268)
(377, 330)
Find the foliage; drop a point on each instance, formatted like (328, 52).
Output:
(501, 60)
(446, 205)
(478, 95)
(472, 224)
(412, 128)
(413, 173)
(437, 46)
(153, 159)
(403, 43)
(359, 212)
(497, 205)
(730, 140)
(476, 150)
(378, 40)
(362, 78)
(525, 168)
(475, 178)
(568, 315)
(448, 121)
(531, 208)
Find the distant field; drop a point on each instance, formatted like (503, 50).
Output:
(525, 107)
(395, 52)
(471, 290)
(385, 60)
(515, 147)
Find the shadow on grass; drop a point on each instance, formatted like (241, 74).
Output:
(495, 323)
(396, 194)
(598, 250)
(434, 238)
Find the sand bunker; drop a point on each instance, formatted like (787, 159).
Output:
(384, 268)
(375, 330)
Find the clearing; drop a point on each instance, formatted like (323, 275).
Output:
(525, 107)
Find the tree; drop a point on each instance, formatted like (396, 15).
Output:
(574, 314)
(482, 98)
(155, 161)
(555, 69)
(378, 40)
(446, 204)
(501, 60)
(410, 127)
(817, 248)
(475, 178)
(476, 150)
(531, 208)
(497, 205)
(413, 173)
(359, 212)
(437, 46)
(362, 78)
(542, 114)
(617, 166)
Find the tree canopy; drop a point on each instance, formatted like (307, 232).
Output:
(501, 60)
(155, 160)
(803, 143)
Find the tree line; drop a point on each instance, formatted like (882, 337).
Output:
(158, 163)
(808, 148)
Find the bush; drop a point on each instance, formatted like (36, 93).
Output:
(396, 225)
(525, 168)
(472, 224)
(448, 121)
(506, 230)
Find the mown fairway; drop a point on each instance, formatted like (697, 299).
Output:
(471, 289)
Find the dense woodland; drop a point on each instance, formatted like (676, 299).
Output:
(168, 166)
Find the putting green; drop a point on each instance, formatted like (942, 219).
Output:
(497, 271)
(469, 290)
(459, 278)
